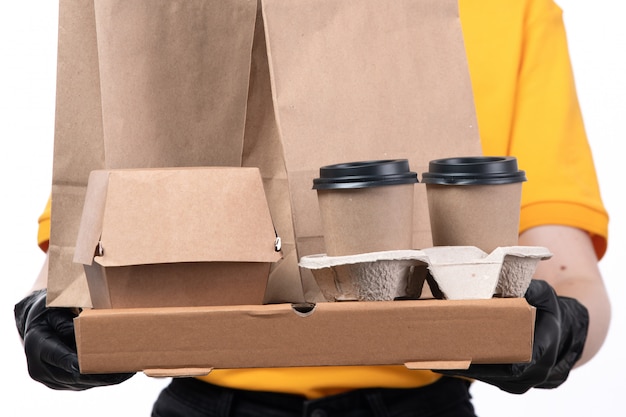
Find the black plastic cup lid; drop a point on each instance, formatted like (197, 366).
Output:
(365, 174)
(474, 170)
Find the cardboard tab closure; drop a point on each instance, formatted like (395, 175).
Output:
(177, 372)
(421, 365)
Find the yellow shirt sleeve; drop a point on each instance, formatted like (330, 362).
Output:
(527, 107)
(43, 232)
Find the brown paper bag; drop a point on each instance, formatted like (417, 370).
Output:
(354, 80)
(326, 81)
(142, 84)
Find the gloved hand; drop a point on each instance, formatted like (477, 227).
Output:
(560, 332)
(50, 346)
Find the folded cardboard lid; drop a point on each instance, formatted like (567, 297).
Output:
(165, 215)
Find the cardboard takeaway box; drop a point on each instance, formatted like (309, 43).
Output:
(176, 237)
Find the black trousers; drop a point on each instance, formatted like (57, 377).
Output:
(189, 397)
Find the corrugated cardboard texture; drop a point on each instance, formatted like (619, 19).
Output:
(350, 333)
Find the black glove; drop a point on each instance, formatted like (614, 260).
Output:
(50, 346)
(560, 332)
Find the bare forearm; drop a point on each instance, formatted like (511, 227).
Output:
(573, 272)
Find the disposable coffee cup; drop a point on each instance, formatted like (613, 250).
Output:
(474, 201)
(366, 206)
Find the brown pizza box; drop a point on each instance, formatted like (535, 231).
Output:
(420, 334)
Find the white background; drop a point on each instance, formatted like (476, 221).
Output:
(28, 31)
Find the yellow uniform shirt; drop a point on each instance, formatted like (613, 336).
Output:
(526, 107)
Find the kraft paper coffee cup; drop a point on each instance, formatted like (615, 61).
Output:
(474, 201)
(366, 206)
